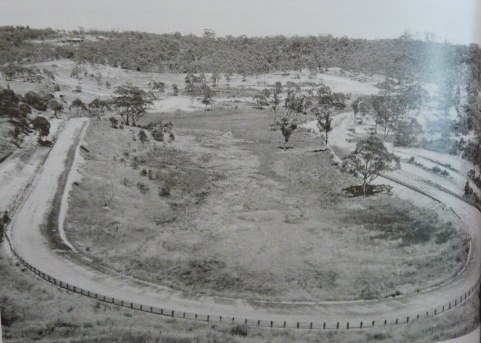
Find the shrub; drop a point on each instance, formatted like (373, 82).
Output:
(9, 316)
(164, 191)
(239, 330)
(143, 188)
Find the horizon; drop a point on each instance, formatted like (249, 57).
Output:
(453, 21)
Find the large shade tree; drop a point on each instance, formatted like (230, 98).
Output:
(131, 102)
(368, 160)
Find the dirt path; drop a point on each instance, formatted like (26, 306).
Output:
(29, 242)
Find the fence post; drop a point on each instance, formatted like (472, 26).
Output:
(373, 323)
(337, 325)
(220, 319)
(407, 319)
(272, 323)
(385, 322)
(310, 326)
(245, 322)
(208, 317)
(323, 325)
(347, 326)
(284, 324)
(258, 322)
(298, 325)
(397, 320)
(361, 324)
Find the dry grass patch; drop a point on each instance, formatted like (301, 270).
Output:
(223, 211)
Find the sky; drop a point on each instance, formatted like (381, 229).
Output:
(457, 21)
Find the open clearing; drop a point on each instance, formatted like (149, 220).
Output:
(223, 211)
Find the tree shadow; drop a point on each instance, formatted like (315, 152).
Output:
(320, 150)
(285, 148)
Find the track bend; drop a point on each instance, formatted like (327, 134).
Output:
(33, 247)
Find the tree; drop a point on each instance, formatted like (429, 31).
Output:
(324, 122)
(131, 102)
(262, 98)
(98, 107)
(55, 106)
(207, 95)
(368, 160)
(41, 125)
(175, 89)
(215, 77)
(36, 101)
(385, 111)
(294, 102)
(8, 102)
(407, 132)
(192, 86)
(287, 128)
(78, 104)
(325, 102)
(113, 122)
(143, 138)
(274, 102)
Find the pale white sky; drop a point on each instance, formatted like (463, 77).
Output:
(457, 21)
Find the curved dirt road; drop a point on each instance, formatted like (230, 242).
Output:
(30, 243)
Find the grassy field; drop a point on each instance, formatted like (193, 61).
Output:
(34, 311)
(222, 210)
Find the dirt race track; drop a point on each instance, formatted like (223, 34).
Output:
(31, 244)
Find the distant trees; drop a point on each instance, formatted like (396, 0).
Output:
(131, 102)
(368, 160)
